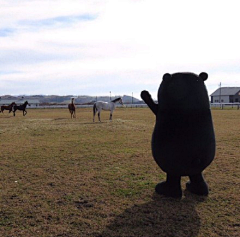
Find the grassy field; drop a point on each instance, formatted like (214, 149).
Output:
(71, 177)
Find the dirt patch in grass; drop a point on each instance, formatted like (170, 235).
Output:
(71, 177)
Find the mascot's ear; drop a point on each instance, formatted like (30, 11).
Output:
(203, 75)
(166, 77)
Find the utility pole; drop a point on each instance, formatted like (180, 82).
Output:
(220, 95)
(220, 92)
(110, 96)
(132, 99)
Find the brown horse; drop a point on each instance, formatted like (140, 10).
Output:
(8, 107)
(21, 107)
(72, 109)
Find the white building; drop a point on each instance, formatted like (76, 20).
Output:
(226, 95)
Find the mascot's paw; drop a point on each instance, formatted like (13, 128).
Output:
(168, 190)
(200, 188)
(145, 95)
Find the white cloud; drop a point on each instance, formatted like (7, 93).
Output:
(123, 43)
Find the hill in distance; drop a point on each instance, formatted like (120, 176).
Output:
(81, 99)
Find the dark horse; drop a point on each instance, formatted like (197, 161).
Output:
(8, 107)
(72, 109)
(21, 107)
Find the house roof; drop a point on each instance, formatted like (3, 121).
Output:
(226, 91)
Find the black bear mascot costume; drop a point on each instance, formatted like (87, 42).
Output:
(183, 140)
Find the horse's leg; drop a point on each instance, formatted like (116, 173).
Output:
(72, 113)
(94, 112)
(99, 116)
(111, 112)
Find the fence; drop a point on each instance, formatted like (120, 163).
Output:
(225, 105)
(65, 106)
(55, 106)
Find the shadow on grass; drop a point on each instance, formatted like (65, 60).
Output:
(160, 217)
(96, 123)
(61, 119)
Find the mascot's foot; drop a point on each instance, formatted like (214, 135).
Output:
(200, 188)
(169, 190)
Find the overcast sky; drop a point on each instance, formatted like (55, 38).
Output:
(92, 47)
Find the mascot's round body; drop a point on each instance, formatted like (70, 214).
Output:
(183, 141)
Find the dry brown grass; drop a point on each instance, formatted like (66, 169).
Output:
(70, 177)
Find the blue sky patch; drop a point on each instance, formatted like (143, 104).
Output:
(6, 32)
(62, 20)
(2, 72)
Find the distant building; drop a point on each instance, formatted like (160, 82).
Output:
(226, 95)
